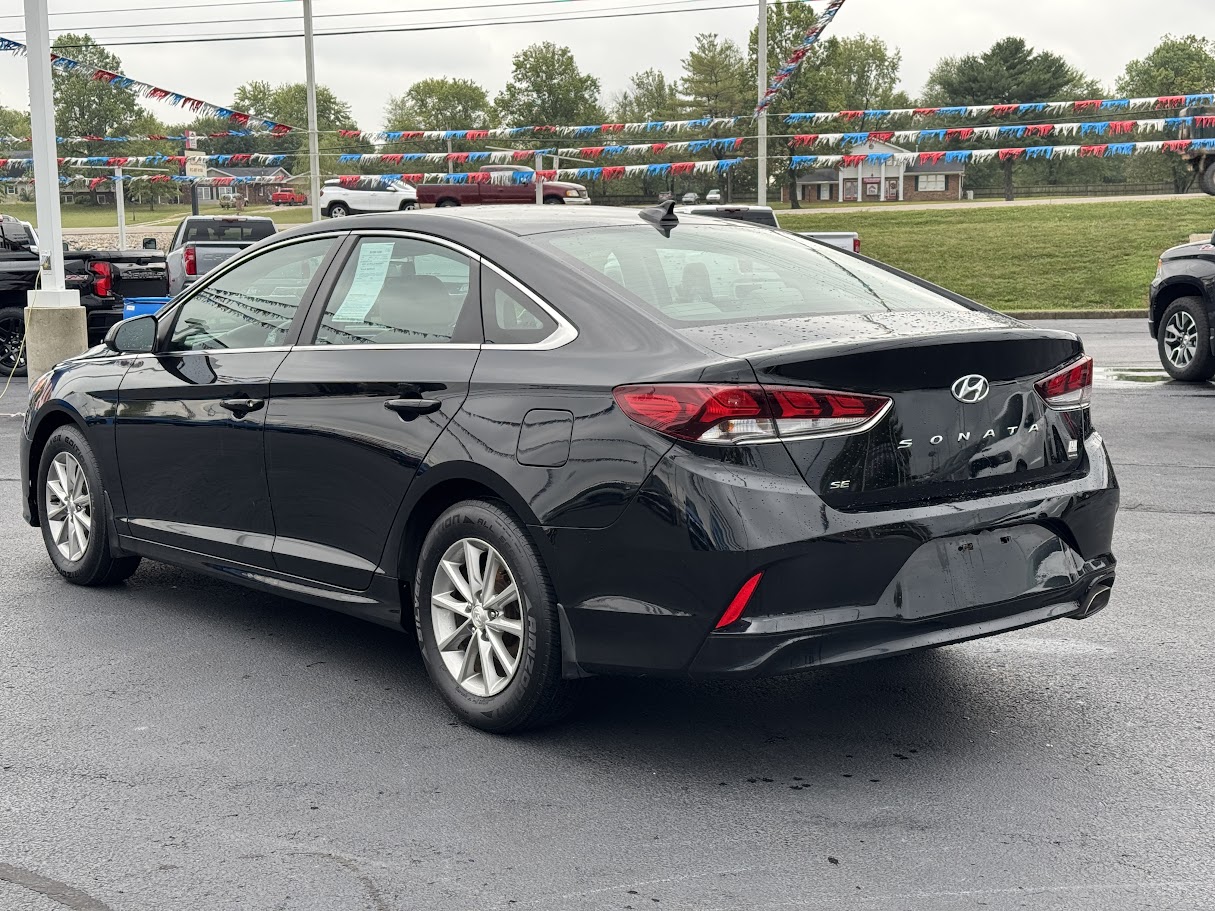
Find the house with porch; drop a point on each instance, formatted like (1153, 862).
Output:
(257, 193)
(884, 182)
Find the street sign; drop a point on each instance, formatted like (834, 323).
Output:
(191, 140)
(196, 165)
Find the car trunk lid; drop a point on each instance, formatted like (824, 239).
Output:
(932, 444)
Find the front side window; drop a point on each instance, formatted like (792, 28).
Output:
(253, 304)
(705, 274)
(402, 292)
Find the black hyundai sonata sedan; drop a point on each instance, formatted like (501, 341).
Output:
(562, 443)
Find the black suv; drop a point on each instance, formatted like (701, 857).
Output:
(1183, 311)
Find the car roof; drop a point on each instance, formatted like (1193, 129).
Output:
(521, 221)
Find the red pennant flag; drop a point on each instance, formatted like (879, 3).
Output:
(1120, 127)
(853, 161)
(1003, 110)
(962, 133)
(1040, 129)
(931, 157)
(613, 173)
(1093, 151)
(1177, 145)
(1081, 106)
(924, 112)
(683, 167)
(1011, 154)
(1170, 101)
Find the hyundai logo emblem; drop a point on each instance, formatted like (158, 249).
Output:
(971, 389)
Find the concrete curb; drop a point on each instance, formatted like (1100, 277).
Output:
(1076, 314)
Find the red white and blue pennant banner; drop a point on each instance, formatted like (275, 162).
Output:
(795, 60)
(964, 156)
(103, 161)
(146, 90)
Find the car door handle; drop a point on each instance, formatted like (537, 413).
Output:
(411, 407)
(241, 407)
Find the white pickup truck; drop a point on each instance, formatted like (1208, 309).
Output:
(202, 242)
(763, 215)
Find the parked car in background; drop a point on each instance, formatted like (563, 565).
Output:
(103, 278)
(764, 215)
(690, 199)
(506, 190)
(228, 200)
(288, 198)
(1182, 311)
(1200, 160)
(338, 201)
(665, 196)
(750, 456)
(713, 196)
(203, 242)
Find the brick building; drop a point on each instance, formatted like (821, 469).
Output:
(884, 182)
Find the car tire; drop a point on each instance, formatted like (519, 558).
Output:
(1206, 177)
(338, 210)
(1183, 341)
(554, 201)
(74, 513)
(459, 638)
(12, 342)
(407, 207)
(446, 203)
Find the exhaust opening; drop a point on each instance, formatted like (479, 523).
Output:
(1095, 599)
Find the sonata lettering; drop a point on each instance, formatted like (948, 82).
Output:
(964, 436)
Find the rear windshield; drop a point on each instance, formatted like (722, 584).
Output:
(706, 274)
(229, 231)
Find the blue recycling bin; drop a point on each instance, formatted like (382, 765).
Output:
(142, 306)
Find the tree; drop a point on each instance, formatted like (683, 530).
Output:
(650, 96)
(14, 123)
(440, 104)
(86, 107)
(547, 88)
(1009, 71)
(714, 82)
(839, 74)
(1177, 66)
(288, 104)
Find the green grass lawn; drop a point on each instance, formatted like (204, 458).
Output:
(1046, 257)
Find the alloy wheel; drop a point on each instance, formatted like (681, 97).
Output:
(1181, 339)
(69, 507)
(12, 334)
(477, 611)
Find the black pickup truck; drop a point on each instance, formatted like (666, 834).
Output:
(1182, 311)
(103, 278)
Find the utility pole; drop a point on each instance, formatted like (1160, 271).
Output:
(44, 152)
(54, 320)
(539, 185)
(121, 202)
(314, 152)
(761, 56)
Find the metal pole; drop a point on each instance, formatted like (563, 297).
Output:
(314, 151)
(762, 82)
(539, 187)
(46, 156)
(450, 163)
(120, 198)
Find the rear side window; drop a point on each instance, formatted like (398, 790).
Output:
(402, 292)
(705, 274)
(510, 316)
(228, 231)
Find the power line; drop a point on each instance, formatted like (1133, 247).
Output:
(279, 4)
(291, 19)
(428, 27)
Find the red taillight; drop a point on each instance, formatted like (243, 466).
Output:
(741, 414)
(1070, 388)
(190, 259)
(856, 245)
(103, 279)
(739, 602)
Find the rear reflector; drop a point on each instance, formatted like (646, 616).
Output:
(739, 604)
(747, 414)
(189, 260)
(1070, 388)
(856, 245)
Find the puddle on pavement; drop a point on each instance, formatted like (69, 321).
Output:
(1113, 377)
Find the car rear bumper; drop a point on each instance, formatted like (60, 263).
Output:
(577, 200)
(644, 595)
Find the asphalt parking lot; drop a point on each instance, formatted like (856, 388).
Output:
(180, 744)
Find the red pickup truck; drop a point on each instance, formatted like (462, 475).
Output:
(288, 198)
(482, 189)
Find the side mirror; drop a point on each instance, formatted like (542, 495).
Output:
(136, 335)
(149, 243)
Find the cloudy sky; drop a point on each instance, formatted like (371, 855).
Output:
(1099, 36)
